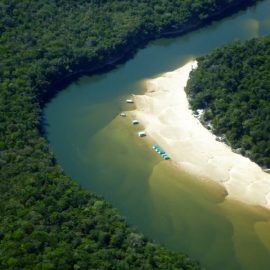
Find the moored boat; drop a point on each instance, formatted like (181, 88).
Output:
(129, 101)
(135, 122)
(142, 133)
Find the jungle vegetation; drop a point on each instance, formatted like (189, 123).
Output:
(46, 220)
(232, 86)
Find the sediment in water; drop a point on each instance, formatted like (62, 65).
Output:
(165, 113)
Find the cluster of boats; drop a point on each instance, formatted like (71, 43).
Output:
(134, 122)
(160, 151)
(156, 147)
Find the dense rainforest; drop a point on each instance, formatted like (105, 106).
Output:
(232, 86)
(46, 220)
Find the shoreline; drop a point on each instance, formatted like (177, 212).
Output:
(164, 112)
(134, 45)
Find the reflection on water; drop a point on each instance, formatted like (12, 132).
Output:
(102, 152)
(253, 27)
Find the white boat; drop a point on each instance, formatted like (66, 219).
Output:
(123, 114)
(135, 122)
(141, 133)
(129, 101)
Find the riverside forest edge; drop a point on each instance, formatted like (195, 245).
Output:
(78, 229)
(231, 87)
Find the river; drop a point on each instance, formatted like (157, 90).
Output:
(102, 152)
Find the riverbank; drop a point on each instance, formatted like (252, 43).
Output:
(137, 41)
(165, 113)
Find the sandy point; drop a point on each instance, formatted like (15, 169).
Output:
(164, 112)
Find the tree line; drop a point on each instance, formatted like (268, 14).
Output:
(232, 86)
(46, 220)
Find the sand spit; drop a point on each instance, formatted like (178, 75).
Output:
(164, 112)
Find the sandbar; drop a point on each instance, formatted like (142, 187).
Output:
(167, 118)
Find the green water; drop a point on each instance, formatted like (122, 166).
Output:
(102, 152)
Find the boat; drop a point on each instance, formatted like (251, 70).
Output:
(135, 122)
(160, 151)
(166, 156)
(129, 101)
(141, 133)
(155, 146)
(123, 114)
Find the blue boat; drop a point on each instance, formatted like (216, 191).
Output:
(166, 156)
(155, 146)
(159, 150)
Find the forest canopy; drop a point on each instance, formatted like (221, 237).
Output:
(232, 86)
(46, 220)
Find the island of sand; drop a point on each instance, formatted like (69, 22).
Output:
(164, 112)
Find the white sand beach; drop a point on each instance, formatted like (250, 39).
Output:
(165, 114)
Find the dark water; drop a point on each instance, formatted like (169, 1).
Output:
(102, 152)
